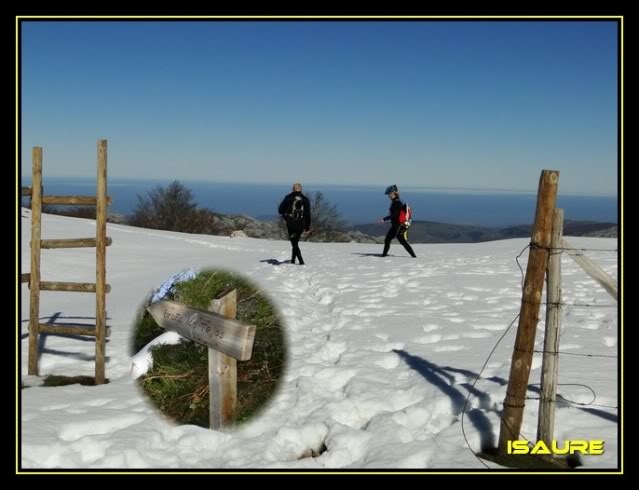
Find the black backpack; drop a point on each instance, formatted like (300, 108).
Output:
(297, 208)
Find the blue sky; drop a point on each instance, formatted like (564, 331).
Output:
(447, 104)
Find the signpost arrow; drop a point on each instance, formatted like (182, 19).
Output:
(231, 337)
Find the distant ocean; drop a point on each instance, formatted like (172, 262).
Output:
(358, 204)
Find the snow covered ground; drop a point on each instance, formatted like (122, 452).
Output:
(382, 355)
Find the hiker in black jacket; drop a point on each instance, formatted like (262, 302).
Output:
(397, 230)
(296, 211)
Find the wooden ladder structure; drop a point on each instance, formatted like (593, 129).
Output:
(100, 331)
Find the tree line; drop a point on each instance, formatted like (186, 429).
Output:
(174, 208)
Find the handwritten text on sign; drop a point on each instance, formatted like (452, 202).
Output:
(231, 337)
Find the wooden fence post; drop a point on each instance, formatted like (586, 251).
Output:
(530, 305)
(36, 236)
(592, 269)
(550, 364)
(222, 371)
(100, 268)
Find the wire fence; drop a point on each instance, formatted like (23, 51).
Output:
(591, 403)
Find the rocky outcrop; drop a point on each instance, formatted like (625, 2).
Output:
(230, 225)
(118, 219)
(344, 237)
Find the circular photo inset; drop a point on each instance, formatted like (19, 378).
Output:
(209, 349)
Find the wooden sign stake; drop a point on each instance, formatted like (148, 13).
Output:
(227, 339)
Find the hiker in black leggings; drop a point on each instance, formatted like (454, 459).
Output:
(296, 211)
(294, 236)
(397, 230)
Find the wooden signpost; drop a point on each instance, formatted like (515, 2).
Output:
(228, 340)
(225, 335)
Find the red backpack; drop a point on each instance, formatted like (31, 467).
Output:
(405, 215)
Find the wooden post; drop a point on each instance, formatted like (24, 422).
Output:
(36, 236)
(550, 364)
(222, 371)
(530, 305)
(100, 269)
(592, 269)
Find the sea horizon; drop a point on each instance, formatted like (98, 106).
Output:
(358, 204)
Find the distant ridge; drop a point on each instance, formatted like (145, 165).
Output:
(433, 232)
(420, 231)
